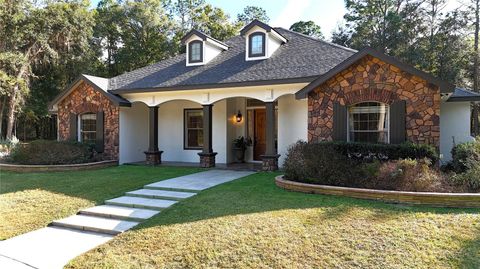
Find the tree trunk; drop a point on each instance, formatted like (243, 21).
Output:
(476, 75)
(11, 112)
(2, 110)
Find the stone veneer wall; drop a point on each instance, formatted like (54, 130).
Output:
(371, 79)
(85, 99)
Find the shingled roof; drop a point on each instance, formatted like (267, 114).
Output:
(301, 59)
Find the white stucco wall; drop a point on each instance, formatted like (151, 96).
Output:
(170, 131)
(292, 123)
(454, 125)
(133, 133)
(234, 128)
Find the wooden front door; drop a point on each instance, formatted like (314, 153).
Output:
(259, 144)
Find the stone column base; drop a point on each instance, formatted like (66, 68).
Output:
(153, 157)
(207, 160)
(270, 162)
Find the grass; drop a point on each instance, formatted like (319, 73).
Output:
(250, 223)
(30, 201)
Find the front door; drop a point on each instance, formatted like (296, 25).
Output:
(259, 144)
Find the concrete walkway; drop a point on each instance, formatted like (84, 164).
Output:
(54, 246)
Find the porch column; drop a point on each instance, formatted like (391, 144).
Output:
(207, 156)
(270, 159)
(153, 155)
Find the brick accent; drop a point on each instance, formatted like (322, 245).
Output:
(153, 157)
(270, 163)
(207, 160)
(85, 99)
(371, 79)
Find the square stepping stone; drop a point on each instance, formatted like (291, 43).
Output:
(149, 193)
(95, 224)
(138, 202)
(119, 212)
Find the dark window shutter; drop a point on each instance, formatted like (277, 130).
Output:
(73, 127)
(339, 122)
(99, 132)
(397, 122)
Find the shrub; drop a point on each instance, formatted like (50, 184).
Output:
(470, 179)
(51, 152)
(367, 152)
(408, 175)
(465, 155)
(319, 164)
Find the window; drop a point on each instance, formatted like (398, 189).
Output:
(256, 45)
(88, 128)
(193, 133)
(368, 122)
(195, 52)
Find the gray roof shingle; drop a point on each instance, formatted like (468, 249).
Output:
(302, 57)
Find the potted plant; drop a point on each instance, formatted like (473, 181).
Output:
(240, 145)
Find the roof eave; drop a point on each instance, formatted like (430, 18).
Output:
(215, 85)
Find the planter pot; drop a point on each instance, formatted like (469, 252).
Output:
(239, 154)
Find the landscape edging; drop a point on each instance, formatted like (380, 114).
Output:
(462, 200)
(25, 168)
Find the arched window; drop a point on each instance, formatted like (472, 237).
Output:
(88, 128)
(195, 51)
(256, 45)
(368, 122)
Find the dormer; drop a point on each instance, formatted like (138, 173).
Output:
(201, 48)
(261, 40)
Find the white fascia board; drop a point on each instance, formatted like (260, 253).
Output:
(215, 43)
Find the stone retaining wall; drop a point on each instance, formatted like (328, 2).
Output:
(56, 168)
(463, 200)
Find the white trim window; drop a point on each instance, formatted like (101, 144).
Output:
(88, 128)
(193, 129)
(368, 122)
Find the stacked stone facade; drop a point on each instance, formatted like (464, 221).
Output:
(85, 99)
(371, 79)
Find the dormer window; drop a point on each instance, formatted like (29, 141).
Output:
(261, 41)
(195, 51)
(256, 44)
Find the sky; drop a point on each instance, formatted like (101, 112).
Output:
(283, 13)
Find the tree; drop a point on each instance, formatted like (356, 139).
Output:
(308, 28)
(251, 13)
(476, 69)
(35, 35)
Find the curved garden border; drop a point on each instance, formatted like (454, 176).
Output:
(466, 200)
(56, 168)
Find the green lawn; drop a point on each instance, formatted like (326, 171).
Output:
(250, 223)
(29, 201)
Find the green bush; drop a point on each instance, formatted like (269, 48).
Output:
(367, 152)
(51, 152)
(362, 165)
(318, 164)
(469, 180)
(465, 155)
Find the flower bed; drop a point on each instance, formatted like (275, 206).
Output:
(463, 200)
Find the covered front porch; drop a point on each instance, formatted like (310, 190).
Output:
(182, 130)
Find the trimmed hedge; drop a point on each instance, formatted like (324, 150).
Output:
(347, 164)
(51, 152)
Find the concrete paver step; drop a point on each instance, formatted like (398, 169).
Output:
(138, 202)
(95, 224)
(149, 193)
(198, 181)
(119, 212)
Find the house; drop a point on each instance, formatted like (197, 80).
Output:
(270, 84)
